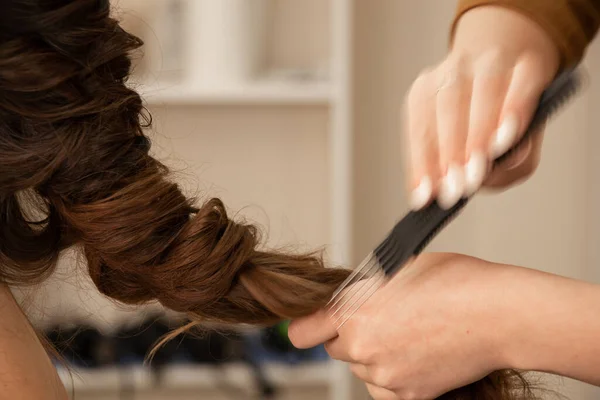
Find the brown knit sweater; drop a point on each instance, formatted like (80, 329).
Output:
(572, 24)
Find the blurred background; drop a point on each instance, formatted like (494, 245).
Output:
(289, 110)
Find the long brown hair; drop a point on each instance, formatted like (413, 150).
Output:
(75, 170)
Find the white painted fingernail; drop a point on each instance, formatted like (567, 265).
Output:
(475, 172)
(452, 187)
(422, 194)
(505, 136)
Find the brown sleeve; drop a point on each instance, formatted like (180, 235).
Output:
(572, 24)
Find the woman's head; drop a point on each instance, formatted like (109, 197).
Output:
(75, 169)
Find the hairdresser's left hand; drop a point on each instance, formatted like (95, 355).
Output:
(437, 325)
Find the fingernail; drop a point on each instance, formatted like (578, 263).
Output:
(421, 194)
(505, 136)
(452, 187)
(475, 172)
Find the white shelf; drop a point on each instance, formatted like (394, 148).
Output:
(195, 377)
(269, 92)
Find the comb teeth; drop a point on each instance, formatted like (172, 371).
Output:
(364, 281)
(364, 270)
(450, 215)
(357, 275)
(354, 297)
(417, 229)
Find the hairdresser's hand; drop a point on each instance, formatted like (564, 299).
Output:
(475, 104)
(447, 320)
(438, 325)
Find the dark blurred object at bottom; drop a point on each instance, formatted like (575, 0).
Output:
(86, 347)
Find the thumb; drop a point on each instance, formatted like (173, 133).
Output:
(310, 331)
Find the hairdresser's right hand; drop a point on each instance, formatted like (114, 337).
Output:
(475, 104)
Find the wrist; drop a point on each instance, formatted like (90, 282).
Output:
(500, 29)
(506, 315)
(499, 312)
(514, 332)
(550, 324)
(521, 313)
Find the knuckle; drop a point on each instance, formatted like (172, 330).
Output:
(411, 394)
(531, 79)
(535, 66)
(383, 377)
(360, 351)
(456, 60)
(357, 352)
(494, 60)
(453, 77)
(494, 55)
(419, 89)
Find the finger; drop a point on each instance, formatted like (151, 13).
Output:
(490, 84)
(521, 100)
(452, 111)
(521, 165)
(422, 141)
(361, 372)
(310, 331)
(337, 349)
(379, 393)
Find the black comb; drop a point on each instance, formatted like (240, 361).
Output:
(417, 229)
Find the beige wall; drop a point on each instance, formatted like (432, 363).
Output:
(270, 163)
(393, 41)
(544, 224)
(299, 34)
